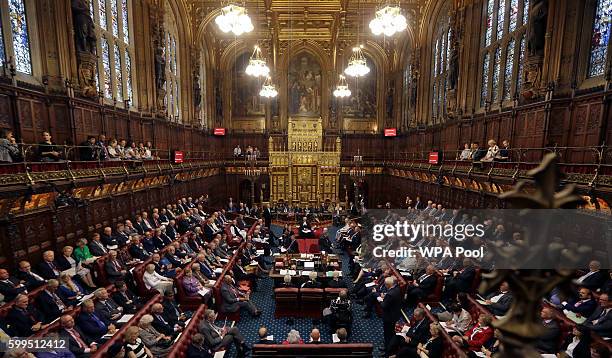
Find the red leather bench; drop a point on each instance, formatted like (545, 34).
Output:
(286, 300)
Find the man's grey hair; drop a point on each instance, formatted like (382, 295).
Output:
(293, 337)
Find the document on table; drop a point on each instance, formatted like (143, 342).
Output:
(306, 273)
(125, 318)
(370, 284)
(220, 354)
(573, 317)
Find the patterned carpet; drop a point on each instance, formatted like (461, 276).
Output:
(364, 330)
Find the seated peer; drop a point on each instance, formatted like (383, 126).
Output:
(163, 268)
(24, 318)
(78, 343)
(66, 262)
(91, 325)
(217, 338)
(48, 268)
(315, 336)
(548, 342)
(192, 285)
(498, 303)
(432, 348)
(30, 279)
(162, 324)
(263, 336)
(196, 348)
(423, 286)
(286, 282)
(81, 252)
(197, 273)
(459, 318)
(234, 299)
(336, 281)
(312, 281)
(154, 280)
(578, 343)
(594, 279)
(126, 298)
(69, 290)
(600, 320)
(480, 333)
(418, 333)
(172, 312)
(134, 347)
(293, 337)
(158, 343)
(342, 335)
(50, 304)
(114, 267)
(10, 287)
(96, 247)
(106, 308)
(584, 305)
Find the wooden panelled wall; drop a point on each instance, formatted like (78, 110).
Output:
(27, 236)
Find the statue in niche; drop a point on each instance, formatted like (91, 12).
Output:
(390, 92)
(197, 91)
(218, 104)
(85, 36)
(536, 27)
(160, 65)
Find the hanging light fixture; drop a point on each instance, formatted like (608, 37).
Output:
(342, 90)
(234, 18)
(268, 90)
(257, 66)
(357, 65)
(388, 21)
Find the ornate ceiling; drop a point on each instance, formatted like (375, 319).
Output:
(334, 24)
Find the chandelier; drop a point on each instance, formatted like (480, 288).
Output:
(388, 21)
(268, 90)
(257, 66)
(342, 90)
(234, 18)
(357, 65)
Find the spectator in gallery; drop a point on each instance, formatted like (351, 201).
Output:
(477, 152)
(504, 151)
(87, 150)
(492, 152)
(9, 150)
(466, 153)
(101, 144)
(121, 148)
(131, 153)
(113, 152)
(237, 152)
(47, 150)
(149, 150)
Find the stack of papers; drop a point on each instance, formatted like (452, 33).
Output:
(218, 270)
(370, 284)
(203, 291)
(335, 338)
(125, 318)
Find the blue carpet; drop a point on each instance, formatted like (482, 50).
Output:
(364, 330)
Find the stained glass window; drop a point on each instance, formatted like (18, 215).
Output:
(495, 81)
(124, 21)
(489, 22)
(2, 52)
(513, 15)
(484, 90)
(106, 63)
(501, 13)
(102, 13)
(508, 70)
(499, 51)
(600, 38)
(112, 24)
(21, 39)
(173, 98)
(441, 54)
(521, 58)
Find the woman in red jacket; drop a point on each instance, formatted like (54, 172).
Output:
(478, 335)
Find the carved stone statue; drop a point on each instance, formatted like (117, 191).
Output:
(390, 92)
(197, 91)
(414, 84)
(218, 104)
(536, 28)
(160, 66)
(453, 68)
(85, 36)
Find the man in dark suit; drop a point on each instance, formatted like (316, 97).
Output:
(233, 300)
(423, 286)
(77, 341)
(548, 342)
(49, 303)
(172, 312)
(336, 281)
(499, 302)
(106, 308)
(267, 214)
(137, 251)
(30, 279)
(10, 287)
(324, 242)
(96, 247)
(584, 305)
(600, 321)
(48, 268)
(220, 337)
(115, 269)
(161, 324)
(315, 336)
(93, 326)
(312, 281)
(594, 279)
(107, 237)
(417, 334)
(126, 298)
(196, 349)
(139, 225)
(263, 336)
(390, 303)
(461, 280)
(24, 320)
